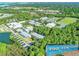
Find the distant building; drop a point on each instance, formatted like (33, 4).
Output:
(28, 29)
(44, 18)
(33, 22)
(62, 25)
(37, 36)
(14, 25)
(24, 44)
(49, 11)
(2, 15)
(36, 19)
(50, 25)
(37, 24)
(23, 33)
(51, 20)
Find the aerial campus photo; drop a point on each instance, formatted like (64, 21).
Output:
(39, 28)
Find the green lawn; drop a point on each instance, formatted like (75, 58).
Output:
(3, 49)
(67, 20)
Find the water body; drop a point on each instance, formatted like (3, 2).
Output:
(5, 37)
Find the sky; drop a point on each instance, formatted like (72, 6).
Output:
(39, 0)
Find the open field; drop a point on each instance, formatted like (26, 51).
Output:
(67, 20)
(3, 48)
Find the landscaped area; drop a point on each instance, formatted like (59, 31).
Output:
(67, 20)
(3, 48)
(4, 41)
(31, 27)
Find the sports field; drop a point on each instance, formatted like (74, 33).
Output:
(67, 20)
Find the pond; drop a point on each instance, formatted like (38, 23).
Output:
(5, 37)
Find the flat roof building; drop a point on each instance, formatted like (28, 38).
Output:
(44, 18)
(23, 33)
(3, 15)
(14, 25)
(50, 25)
(37, 36)
(33, 22)
(28, 29)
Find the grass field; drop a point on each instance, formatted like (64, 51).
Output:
(3, 49)
(67, 20)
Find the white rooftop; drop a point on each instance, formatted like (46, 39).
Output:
(30, 28)
(44, 18)
(36, 35)
(14, 25)
(23, 33)
(33, 22)
(5, 15)
(50, 25)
